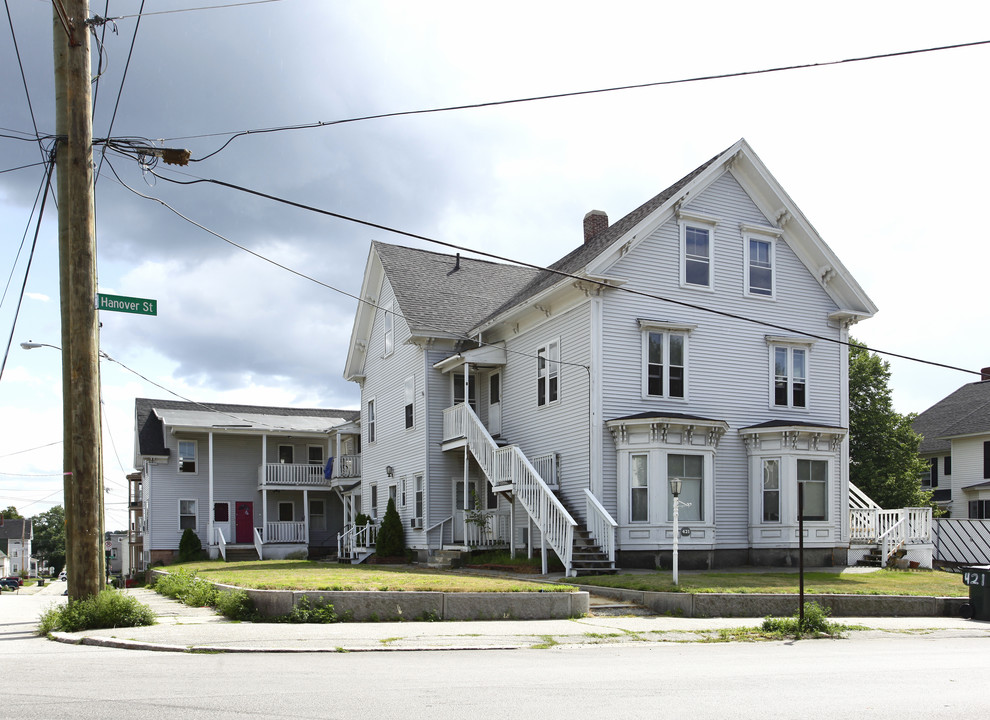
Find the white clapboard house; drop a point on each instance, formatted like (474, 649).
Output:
(698, 338)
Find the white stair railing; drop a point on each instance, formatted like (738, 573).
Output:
(259, 544)
(221, 543)
(891, 537)
(859, 499)
(601, 526)
(354, 537)
(509, 465)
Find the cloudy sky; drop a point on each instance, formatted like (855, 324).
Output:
(888, 158)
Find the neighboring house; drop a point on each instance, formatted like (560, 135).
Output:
(134, 557)
(246, 479)
(15, 540)
(956, 444)
(503, 405)
(4, 564)
(115, 544)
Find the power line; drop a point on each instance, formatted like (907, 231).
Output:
(557, 96)
(504, 259)
(97, 20)
(23, 167)
(27, 94)
(39, 447)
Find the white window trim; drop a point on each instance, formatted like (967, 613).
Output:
(632, 487)
(544, 379)
(214, 511)
(371, 419)
(323, 454)
(292, 449)
(373, 502)
(668, 329)
(827, 483)
(179, 514)
(422, 491)
(780, 490)
(700, 222)
(178, 457)
(760, 235)
(278, 510)
(789, 344)
(388, 330)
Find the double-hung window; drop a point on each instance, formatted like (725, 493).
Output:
(639, 489)
(371, 420)
(548, 373)
(187, 515)
(418, 497)
(697, 241)
(187, 456)
(771, 490)
(790, 374)
(760, 261)
(814, 475)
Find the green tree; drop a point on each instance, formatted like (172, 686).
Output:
(190, 546)
(11, 513)
(49, 537)
(391, 541)
(883, 448)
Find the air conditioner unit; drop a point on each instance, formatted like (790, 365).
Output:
(416, 523)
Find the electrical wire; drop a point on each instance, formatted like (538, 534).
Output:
(557, 96)
(27, 271)
(27, 94)
(22, 167)
(39, 447)
(99, 20)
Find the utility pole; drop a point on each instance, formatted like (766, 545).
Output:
(82, 452)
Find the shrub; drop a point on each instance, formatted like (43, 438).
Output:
(362, 519)
(815, 622)
(235, 604)
(391, 540)
(190, 546)
(108, 609)
(311, 612)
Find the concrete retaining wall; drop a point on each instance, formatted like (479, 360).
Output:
(374, 605)
(760, 605)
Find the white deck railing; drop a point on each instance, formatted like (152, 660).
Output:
(546, 466)
(282, 474)
(347, 466)
(259, 544)
(890, 529)
(221, 543)
(509, 465)
(601, 526)
(496, 531)
(285, 532)
(355, 537)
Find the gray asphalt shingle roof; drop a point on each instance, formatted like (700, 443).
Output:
(435, 299)
(149, 427)
(964, 412)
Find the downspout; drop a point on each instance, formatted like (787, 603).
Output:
(467, 404)
(264, 489)
(210, 532)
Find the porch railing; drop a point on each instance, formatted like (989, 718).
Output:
(600, 525)
(496, 531)
(509, 465)
(259, 544)
(355, 537)
(282, 474)
(285, 532)
(221, 543)
(546, 466)
(347, 466)
(448, 519)
(890, 529)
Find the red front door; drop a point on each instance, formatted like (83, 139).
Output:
(244, 527)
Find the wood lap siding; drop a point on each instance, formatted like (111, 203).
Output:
(728, 376)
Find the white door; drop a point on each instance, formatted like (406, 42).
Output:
(495, 404)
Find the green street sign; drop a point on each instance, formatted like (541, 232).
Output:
(119, 303)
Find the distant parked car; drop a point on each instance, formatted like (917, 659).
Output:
(9, 583)
(15, 578)
(62, 576)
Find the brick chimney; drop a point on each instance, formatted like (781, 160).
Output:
(984, 372)
(595, 222)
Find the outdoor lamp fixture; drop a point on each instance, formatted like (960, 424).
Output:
(31, 345)
(389, 470)
(675, 490)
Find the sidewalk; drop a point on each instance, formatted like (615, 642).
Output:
(184, 629)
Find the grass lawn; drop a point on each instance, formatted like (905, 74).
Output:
(883, 582)
(306, 575)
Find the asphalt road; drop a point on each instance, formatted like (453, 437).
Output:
(895, 675)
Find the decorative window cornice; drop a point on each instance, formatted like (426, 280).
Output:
(646, 324)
